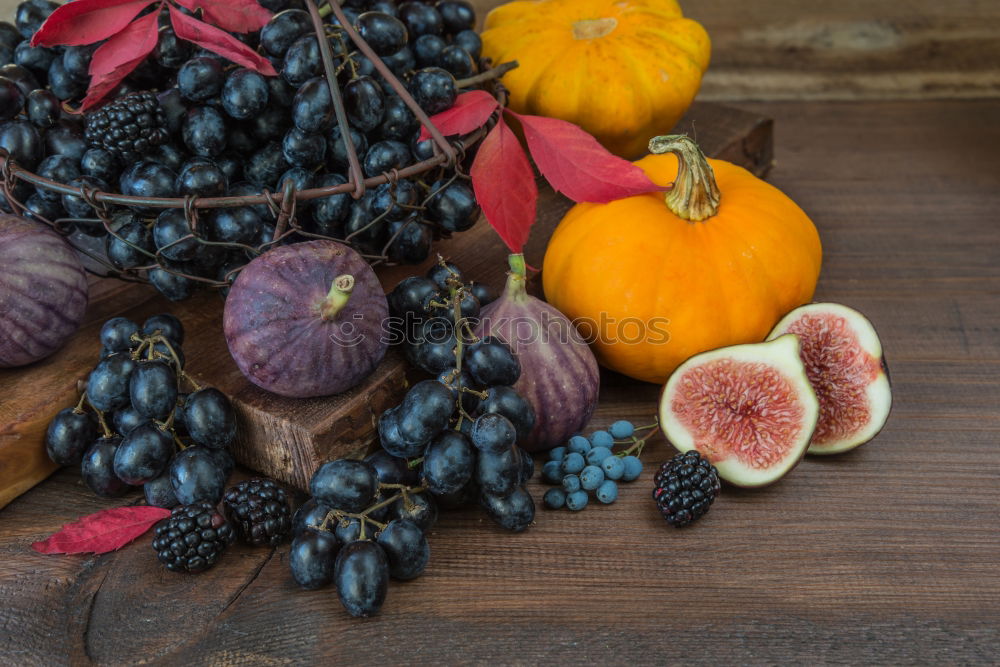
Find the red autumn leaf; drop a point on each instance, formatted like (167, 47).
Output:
(118, 56)
(218, 41)
(575, 164)
(87, 21)
(102, 532)
(232, 15)
(505, 187)
(470, 112)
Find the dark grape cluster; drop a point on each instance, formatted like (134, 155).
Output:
(190, 123)
(135, 425)
(588, 466)
(451, 442)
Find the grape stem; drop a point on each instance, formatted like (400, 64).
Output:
(180, 443)
(169, 423)
(152, 353)
(79, 404)
(456, 304)
(107, 432)
(647, 426)
(191, 380)
(638, 445)
(142, 346)
(340, 515)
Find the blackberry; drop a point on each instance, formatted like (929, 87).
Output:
(258, 508)
(131, 126)
(685, 487)
(193, 538)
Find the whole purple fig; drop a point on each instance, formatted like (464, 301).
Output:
(306, 319)
(559, 374)
(43, 291)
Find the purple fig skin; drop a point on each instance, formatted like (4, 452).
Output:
(559, 373)
(277, 334)
(43, 291)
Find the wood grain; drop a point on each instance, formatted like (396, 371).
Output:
(846, 50)
(852, 49)
(885, 555)
(289, 438)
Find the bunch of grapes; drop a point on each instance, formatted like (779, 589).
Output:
(588, 466)
(190, 123)
(136, 426)
(451, 442)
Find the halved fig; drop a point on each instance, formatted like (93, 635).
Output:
(749, 409)
(843, 359)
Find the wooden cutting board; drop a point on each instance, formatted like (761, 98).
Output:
(288, 438)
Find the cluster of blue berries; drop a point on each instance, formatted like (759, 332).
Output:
(586, 466)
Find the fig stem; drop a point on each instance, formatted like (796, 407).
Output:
(337, 297)
(517, 278)
(695, 195)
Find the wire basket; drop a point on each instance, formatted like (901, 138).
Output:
(280, 204)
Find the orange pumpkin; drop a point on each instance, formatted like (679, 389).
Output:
(624, 70)
(657, 279)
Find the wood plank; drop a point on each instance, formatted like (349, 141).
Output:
(853, 49)
(886, 555)
(846, 50)
(289, 438)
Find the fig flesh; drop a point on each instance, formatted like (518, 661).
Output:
(749, 409)
(843, 359)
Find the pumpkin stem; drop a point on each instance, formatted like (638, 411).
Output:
(337, 297)
(517, 278)
(695, 195)
(594, 28)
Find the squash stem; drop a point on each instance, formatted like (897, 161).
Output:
(517, 278)
(695, 195)
(338, 296)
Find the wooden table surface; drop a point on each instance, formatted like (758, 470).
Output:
(887, 554)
